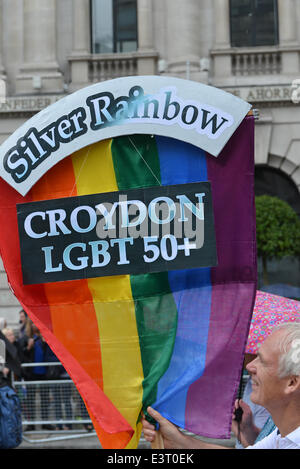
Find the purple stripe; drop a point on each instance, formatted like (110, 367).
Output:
(234, 286)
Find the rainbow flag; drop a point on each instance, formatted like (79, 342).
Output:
(173, 339)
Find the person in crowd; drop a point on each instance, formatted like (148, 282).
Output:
(12, 363)
(22, 321)
(35, 350)
(24, 341)
(275, 374)
(9, 334)
(62, 392)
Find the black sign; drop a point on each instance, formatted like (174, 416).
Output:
(115, 233)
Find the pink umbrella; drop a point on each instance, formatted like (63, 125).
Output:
(269, 311)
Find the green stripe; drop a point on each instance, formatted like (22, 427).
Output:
(136, 161)
(136, 164)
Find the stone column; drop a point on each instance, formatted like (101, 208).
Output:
(2, 75)
(145, 25)
(222, 57)
(222, 24)
(183, 37)
(147, 57)
(287, 17)
(39, 72)
(81, 44)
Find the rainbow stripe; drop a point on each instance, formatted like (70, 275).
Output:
(161, 339)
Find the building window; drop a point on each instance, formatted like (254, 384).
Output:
(274, 182)
(253, 23)
(114, 26)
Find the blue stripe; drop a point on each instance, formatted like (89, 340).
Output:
(182, 163)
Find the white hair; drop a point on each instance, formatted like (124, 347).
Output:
(289, 358)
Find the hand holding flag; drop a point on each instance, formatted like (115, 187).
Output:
(171, 435)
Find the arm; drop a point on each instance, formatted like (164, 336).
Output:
(173, 438)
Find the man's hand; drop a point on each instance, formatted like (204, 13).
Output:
(173, 438)
(246, 431)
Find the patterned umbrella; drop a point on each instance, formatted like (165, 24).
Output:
(269, 311)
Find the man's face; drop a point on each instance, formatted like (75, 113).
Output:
(267, 387)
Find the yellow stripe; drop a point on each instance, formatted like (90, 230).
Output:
(113, 302)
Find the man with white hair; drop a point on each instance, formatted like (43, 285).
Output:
(275, 374)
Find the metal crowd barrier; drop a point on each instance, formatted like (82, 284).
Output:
(52, 408)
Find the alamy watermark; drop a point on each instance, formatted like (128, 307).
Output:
(164, 216)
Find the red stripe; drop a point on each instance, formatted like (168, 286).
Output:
(28, 295)
(72, 347)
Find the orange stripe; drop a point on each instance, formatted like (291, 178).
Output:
(71, 304)
(73, 315)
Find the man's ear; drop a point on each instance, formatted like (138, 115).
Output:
(293, 384)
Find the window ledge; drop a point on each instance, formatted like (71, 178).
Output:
(256, 49)
(92, 68)
(114, 56)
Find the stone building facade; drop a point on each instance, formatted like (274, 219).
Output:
(49, 48)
